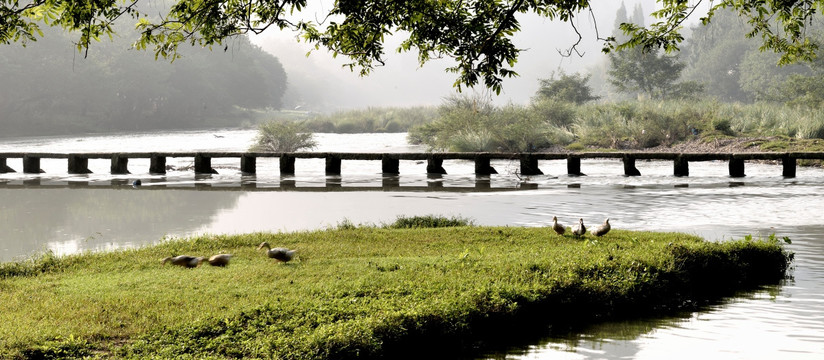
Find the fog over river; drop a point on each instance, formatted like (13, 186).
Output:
(64, 213)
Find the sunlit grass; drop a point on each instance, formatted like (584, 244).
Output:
(353, 292)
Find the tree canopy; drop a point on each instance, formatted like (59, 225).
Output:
(568, 88)
(476, 34)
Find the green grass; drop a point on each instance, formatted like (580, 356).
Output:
(372, 120)
(360, 292)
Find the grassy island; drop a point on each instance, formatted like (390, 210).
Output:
(358, 292)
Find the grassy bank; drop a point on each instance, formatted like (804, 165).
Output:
(468, 126)
(357, 292)
(371, 120)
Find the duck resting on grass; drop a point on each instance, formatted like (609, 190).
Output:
(559, 229)
(602, 229)
(220, 259)
(184, 260)
(278, 253)
(579, 229)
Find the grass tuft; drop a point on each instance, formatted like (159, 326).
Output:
(428, 221)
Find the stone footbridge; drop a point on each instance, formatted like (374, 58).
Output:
(77, 163)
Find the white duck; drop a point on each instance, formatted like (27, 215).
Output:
(278, 253)
(579, 229)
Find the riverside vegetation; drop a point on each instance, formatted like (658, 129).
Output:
(360, 291)
(474, 124)
(471, 124)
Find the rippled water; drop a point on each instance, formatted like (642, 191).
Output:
(69, 213)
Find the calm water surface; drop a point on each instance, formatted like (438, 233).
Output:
(66, 213)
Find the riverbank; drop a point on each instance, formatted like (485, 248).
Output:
(359, 292)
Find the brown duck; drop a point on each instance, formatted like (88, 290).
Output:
(559, 229)
(278, 253)
(602, 229)
(220, 259)
(184, 260)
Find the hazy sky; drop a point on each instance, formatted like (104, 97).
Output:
(403, 83)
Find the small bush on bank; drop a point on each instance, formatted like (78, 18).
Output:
(41, 263)
(428, 221)
(283, 136)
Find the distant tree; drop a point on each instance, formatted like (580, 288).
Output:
(568, 88)
(714, 53)
(283, 136)
(735, 69)
(649, 73)
(800, 90)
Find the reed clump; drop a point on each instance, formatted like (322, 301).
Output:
(358, 292)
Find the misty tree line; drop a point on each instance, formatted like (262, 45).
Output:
(717, 61)
(718, 86)
(50, 88)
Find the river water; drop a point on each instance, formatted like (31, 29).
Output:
(63, 213)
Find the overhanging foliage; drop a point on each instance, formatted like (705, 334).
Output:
(476, 34)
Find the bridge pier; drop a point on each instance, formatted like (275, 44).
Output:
(31, 165)
(434, 181)
(629, 167)
(287, 183)
(574, 166)
(248, 165)
(736, 167)
(434, 165)
(482, 166)
(333, 165)
(483, 184)
(529, 165)
(78, 164)
(789, 165)
(390, 166)
(287, 165)
(120, 165)
(5, 168)
(682, 166)
(203, 165)
(333, 182)
(157, 165)
(389, 182)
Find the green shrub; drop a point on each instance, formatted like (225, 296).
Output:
(428, 221)
(283, 136)
(42, 263)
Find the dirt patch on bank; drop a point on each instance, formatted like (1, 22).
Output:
(732, 145)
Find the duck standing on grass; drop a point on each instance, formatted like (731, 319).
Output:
(220, 260)
(559, 229)
(602, 229)
(579, 229)
(184, 260)
(278, 253)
